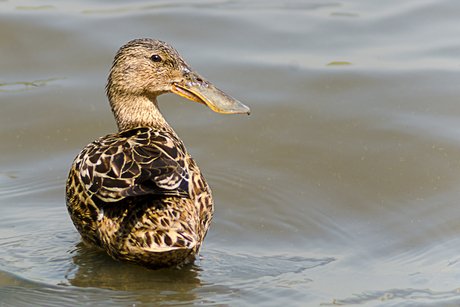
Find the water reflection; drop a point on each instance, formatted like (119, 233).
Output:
(217, 274)
(94, 268)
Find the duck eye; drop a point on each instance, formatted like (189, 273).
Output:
(155, 58)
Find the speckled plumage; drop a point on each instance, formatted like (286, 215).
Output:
(137, 193)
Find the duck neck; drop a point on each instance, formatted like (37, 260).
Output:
(137, 111)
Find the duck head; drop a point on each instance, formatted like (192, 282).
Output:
(148, 68)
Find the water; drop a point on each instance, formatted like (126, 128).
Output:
(339, 188)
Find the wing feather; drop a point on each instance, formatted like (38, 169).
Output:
(135, 162)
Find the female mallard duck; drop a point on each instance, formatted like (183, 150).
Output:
(137, 193)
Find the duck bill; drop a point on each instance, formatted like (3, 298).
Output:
(195, 88)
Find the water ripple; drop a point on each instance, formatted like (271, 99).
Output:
(10, 87)
(396, 297)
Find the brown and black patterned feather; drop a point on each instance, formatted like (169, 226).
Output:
(131, 194)
(141, 161)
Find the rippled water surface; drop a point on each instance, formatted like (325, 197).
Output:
(341, 187)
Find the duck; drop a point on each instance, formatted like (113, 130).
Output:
(137, 193)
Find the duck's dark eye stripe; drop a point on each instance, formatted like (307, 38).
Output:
(155, 58)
